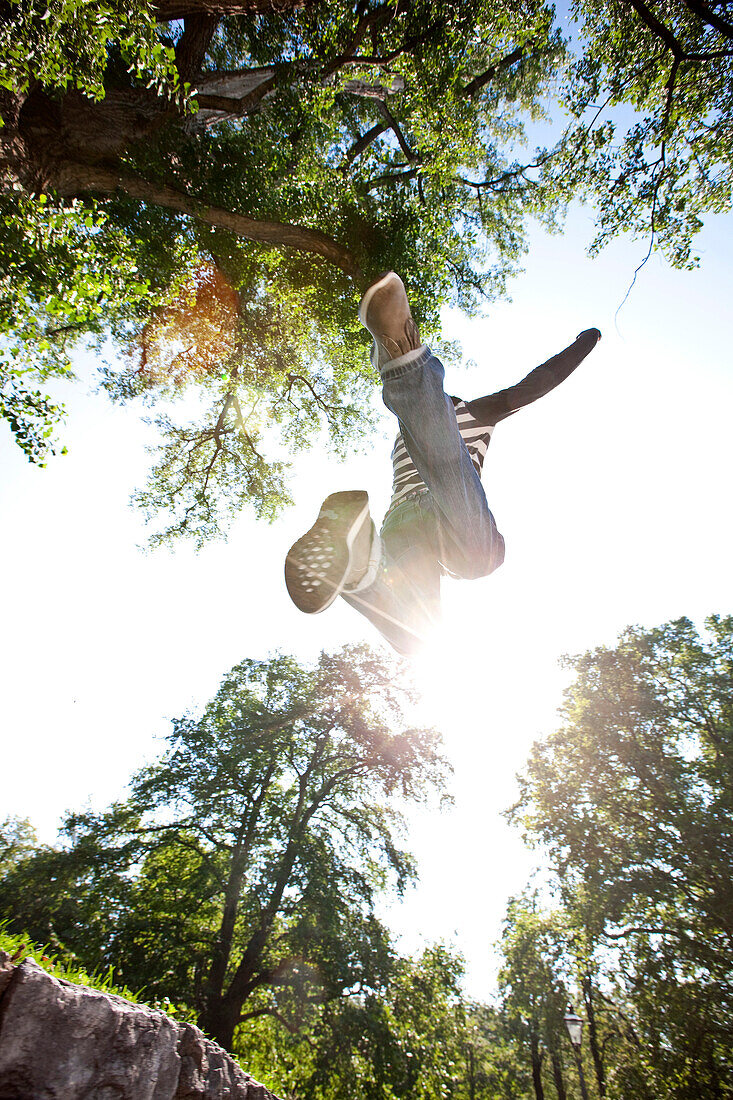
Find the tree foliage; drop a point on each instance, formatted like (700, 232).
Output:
(632, 799)
(17, 840)
(318, 145)
(534, 993)
(240, 877)
(299, 148)
(651, 90)
(415, 1035)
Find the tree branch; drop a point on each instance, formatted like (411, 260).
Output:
(483, 79)
(183, 9)
(703, 11)
(649, 18)
(393, 124)
(242, 427)
(323, 405)
(292, 1028)
(365, 22)
(217, 440)
(193, 44)
(407, 45)
(77, 178)
(391, 177)
(363, 143)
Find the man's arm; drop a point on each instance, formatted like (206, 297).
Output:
(497, 406)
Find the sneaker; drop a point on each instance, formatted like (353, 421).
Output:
(334, 553)
(385, 312)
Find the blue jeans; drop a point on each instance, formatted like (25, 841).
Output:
(448, 528)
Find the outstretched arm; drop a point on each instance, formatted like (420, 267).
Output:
(497, 406)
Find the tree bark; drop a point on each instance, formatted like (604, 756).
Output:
(181, 9)
(536, 1055)
(238, 866)
(223, 1015)
(557, 1076)
(193, 44)
(587, 985)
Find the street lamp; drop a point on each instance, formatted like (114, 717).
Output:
(574, 1024)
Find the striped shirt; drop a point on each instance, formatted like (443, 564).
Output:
(475, 434)
(477, 419)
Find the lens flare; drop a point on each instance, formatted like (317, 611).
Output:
(195, 334)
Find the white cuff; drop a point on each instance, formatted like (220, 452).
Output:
(401, 360)
(375, 559)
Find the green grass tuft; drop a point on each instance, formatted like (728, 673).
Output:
(20, 947)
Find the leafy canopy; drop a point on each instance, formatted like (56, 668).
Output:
(240, 878)
(298, 149)
(631, 798)
(323, 144)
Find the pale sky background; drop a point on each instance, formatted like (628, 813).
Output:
(613, 494)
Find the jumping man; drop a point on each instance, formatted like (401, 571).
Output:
(438, 521)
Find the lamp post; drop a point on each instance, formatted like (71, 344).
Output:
(574, 1024)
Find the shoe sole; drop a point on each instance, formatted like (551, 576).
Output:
(314, 577)
(372, 290)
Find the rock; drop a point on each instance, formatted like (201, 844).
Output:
(60, 1041)
(6, 971)
(209, 1073)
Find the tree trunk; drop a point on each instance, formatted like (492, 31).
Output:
(537, 1056)
(223, 948)
(557, 1075)
(222, 1012)
(42, 135)
(471, 1074)
(220, 1022)
(595, 1049)
(73, 146)
(182, 9)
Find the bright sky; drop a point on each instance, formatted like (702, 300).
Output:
(613, 494)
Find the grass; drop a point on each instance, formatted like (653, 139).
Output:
(54, 962)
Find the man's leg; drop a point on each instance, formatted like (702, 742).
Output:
(392, 579)
(402, 596)
(413, 390)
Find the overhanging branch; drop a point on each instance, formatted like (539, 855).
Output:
(78, 178)
(363, 143)
(394, 126)
(182, 9)
(710, 17)
(484, 78)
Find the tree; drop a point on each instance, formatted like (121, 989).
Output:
(240, 877)
(404, 1038)
(632, 797)
(415, 1035)
(534, 993)
(17, 840)
(657, 167)
(292, 148)
(288, 149)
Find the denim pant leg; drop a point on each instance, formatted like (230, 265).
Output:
(404, 600)
(413, 391)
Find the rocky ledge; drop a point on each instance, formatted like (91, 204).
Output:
(60, 1041)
